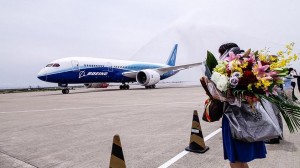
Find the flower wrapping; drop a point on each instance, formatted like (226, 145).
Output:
(256, 75)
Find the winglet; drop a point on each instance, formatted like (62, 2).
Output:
(172, 58)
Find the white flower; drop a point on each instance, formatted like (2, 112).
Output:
(220, 80)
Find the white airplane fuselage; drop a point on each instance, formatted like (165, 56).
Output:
(93, 70)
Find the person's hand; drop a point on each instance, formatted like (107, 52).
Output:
(251, 99)
(204, 78)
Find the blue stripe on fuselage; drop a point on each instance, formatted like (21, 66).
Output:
(89, 75)
(100, 74)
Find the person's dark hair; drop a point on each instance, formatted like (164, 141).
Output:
(224, 47)
(290, 70)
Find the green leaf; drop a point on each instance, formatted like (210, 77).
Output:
(289, 110)
(211, 61)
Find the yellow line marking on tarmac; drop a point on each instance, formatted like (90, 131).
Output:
(183, 153)
(105, 106)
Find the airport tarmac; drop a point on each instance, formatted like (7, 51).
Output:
(49, 129)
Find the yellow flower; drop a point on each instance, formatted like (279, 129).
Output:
(262, 57)
(249, 86)
(221, 68)
(266, 82)
(273, 58)
(235, 66)
(255, 72)
(258, 84)
(290, 46)
(244, 65)
(295, 57)
(282, 63)
(280, 53)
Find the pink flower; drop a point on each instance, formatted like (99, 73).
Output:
(231, 57)
(260, 70)
(250, 58)
(272, 74)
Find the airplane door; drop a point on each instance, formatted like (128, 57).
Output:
(75, 65)
(46, 73)
(109, 67)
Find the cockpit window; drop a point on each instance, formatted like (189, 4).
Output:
(56, 65)
(53, 65)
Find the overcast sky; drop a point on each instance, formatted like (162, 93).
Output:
(34, 32)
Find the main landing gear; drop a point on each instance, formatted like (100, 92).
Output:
(65, 91)
(124, 86)
(150, 87)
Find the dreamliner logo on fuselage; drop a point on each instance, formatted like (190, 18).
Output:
(82, 74)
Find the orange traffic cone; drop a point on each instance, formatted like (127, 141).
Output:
(196, 141)
(117, 157)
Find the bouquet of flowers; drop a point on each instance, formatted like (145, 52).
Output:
(257, 74)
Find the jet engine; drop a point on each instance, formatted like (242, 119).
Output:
(96, 85)
(147, 77)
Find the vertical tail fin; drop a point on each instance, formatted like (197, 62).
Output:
(172, 59)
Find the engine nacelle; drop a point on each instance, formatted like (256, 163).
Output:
(96, 85)
(147, 77)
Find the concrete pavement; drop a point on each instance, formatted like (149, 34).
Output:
(49, 129)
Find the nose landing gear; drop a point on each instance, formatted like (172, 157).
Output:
(65, 89)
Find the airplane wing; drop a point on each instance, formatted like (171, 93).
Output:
(161, 71)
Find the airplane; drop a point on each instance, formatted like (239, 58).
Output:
(96, 72)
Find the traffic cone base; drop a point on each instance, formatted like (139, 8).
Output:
(197, 151)
(116, 162)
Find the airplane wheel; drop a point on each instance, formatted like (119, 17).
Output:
(65, 91)
(124, 87)
(150, 87)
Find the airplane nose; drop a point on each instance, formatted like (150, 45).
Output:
(42, 75)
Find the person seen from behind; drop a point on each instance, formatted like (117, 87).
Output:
(236, 151)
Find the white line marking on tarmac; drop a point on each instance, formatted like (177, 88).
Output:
(80, 108)
(212, 134)
(183, 153)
